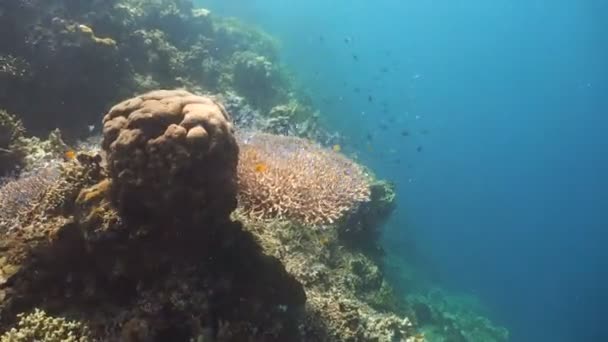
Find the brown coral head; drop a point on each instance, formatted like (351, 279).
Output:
(293, 178)
(168, 149)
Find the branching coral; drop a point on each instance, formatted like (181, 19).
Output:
(39, 326)
(170, 152)
(256, 77)
(293, 178)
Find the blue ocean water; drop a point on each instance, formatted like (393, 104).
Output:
(490, 117)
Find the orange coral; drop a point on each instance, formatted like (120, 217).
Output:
(299, 179)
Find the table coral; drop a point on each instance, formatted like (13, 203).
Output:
(293, 178)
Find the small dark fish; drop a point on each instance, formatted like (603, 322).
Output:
(405, 133)
(392, 118)
(384, 69)
(383, 126)
(357, 90)
(347, 40)
(419, 149)
(321, 39)
(424, 131)
(370, 98)
(355, 57)
(397, 161)
(369, 137)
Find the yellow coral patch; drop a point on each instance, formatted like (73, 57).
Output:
(260, 167)
(105, 41)
(94, 193)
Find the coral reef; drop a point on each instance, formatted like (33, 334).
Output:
(56, 57)
(132, 236)
(363, 228)
(292, 178)
(41, 153)
(293, 119)
(175, 144)
(454, 318)
(340, 305)
(19, 196)
(76, 58)
(75, 255)
(11, 129)
(255, 77)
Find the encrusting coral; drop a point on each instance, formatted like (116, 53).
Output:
(171, 152)
(293, 178)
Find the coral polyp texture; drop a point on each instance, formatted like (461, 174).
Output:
(170, 151)
(292, 178)
(20, 195)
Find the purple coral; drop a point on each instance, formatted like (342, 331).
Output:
(18, 196)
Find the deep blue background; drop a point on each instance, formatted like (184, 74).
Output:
(508, 196)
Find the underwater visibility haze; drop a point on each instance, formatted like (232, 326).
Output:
(272, 170)
(507, 100)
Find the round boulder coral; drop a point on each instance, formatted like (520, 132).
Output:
(171, 153)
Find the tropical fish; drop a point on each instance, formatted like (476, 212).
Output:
(336, 148)
(260, 167)
(69, 154)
